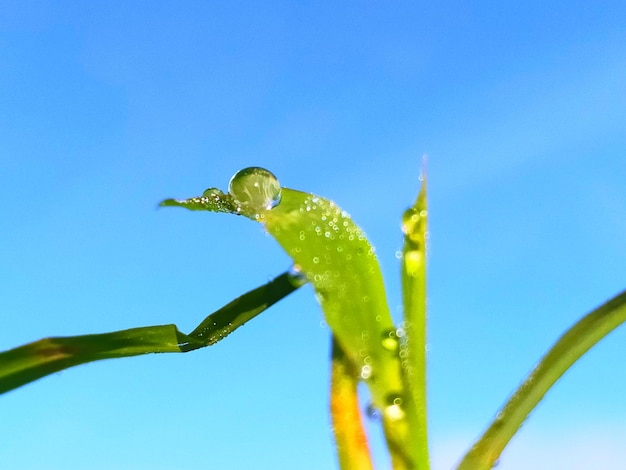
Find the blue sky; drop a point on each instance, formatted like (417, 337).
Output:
(106, 109)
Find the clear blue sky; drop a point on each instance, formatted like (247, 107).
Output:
(107, 108)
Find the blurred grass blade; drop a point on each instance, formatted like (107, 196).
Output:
(351, 441)
(33, 361)
(581, 337)
(413, 342)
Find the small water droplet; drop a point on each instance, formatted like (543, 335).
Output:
(394, 410)
(212, 193)
(390, 341)
(366, 372)
(254, 190)
(398, 255)
(296, 276)
(372, 412)
(316, 260)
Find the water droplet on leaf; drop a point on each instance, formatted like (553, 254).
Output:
(394, 410)
(254, 190)
(390, 341)
(366, 372)
(296, 277)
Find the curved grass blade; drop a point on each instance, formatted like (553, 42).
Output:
(581, 337)
(335, 256)
(33, 361)
(351, 442)
(413, 342)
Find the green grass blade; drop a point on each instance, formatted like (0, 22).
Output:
(212, 200)
(413, 344)
(332, 252)
(581, 337)
(244, 308)
(328, 247)
(33, 361)
(351, 442)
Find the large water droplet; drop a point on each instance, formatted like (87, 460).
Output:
(254, 190)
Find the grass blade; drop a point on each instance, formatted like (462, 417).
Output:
(351, 442)
(581, 337)
(332, 252)
(413, 344)
(33, 361)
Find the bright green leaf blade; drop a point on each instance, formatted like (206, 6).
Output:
(334, 254)
(413, 344)
(329, 248)
(33, 361)
(581, 337)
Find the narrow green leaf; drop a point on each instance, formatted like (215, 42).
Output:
(212, 200)
(332, 252)
(351, 442)
(581, 337)
(413, 340)
(33, 361)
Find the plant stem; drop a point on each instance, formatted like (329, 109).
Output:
(351, 442)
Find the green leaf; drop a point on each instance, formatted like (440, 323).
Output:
(332, 252)
(581, 337)
(413, 341)
(33, 361)
(212, 200)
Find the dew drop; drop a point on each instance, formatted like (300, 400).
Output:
(366, 372)
(254, 190)
(390, 341)
(296, 276)
(394, 411)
